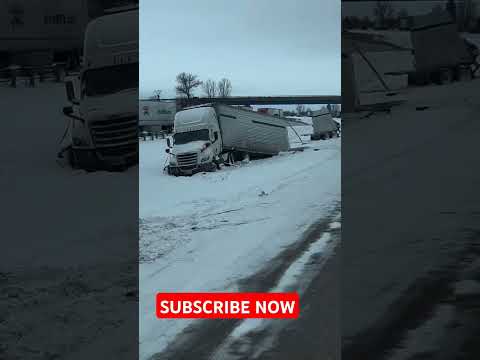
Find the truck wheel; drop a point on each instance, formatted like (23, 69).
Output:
(446, 76)
(72, 159)
(230, 159)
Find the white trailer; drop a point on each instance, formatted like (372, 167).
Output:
(104, 96)
(37, 32)
(206, 136)
(323, 125)
(156, 115)
(441, 54)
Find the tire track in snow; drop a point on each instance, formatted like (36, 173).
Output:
(210, 338)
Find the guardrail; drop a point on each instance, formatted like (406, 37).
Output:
(31, 75)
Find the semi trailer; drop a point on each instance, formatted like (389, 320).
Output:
(323, 125)
(103, 127)
(208, 135)
(440, 54)
(36, 33)
(156, 115)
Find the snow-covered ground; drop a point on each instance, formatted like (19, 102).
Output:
(206, 232)
(69, 240)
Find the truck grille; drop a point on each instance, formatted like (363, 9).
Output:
(187, 160)
(119, 151)
(115, 132)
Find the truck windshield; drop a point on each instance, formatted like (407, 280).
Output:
(186, 137)
(111, 79)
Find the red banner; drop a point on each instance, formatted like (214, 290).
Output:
(227, 305)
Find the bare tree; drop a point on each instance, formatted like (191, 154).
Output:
(300, 110)
(451, 7)
(403, 13)
(383, 11)
(210, 88)
(186, 83)
(470, 14)
(224, 88)
(437, 9)
(157, 94)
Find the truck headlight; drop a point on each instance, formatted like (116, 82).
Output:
(205, 158)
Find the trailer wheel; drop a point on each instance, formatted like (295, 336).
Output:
(72, 159)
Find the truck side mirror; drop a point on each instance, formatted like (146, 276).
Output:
(215, 135)
(70, 92)
(169, 142)
(68, 110)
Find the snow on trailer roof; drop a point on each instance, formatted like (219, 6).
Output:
(353, 42)
(282, 121)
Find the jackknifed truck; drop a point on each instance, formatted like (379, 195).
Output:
(324, 126)
(208, 135)
(441, 54)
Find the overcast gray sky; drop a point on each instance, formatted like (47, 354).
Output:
(265, 47)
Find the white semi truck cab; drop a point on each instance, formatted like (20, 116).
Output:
(197, 140)
(207, 135)
(104, 95)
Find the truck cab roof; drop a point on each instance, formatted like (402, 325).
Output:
(193, 118)
(112, 40)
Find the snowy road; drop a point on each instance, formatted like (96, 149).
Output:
(213, 231)
(409, 193)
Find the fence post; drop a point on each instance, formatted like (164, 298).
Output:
(13, 78)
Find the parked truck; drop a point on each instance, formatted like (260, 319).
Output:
(38, 34)
(441, 54)
(208, 135)
(323, 125)
(103, 128)
(156, 115)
